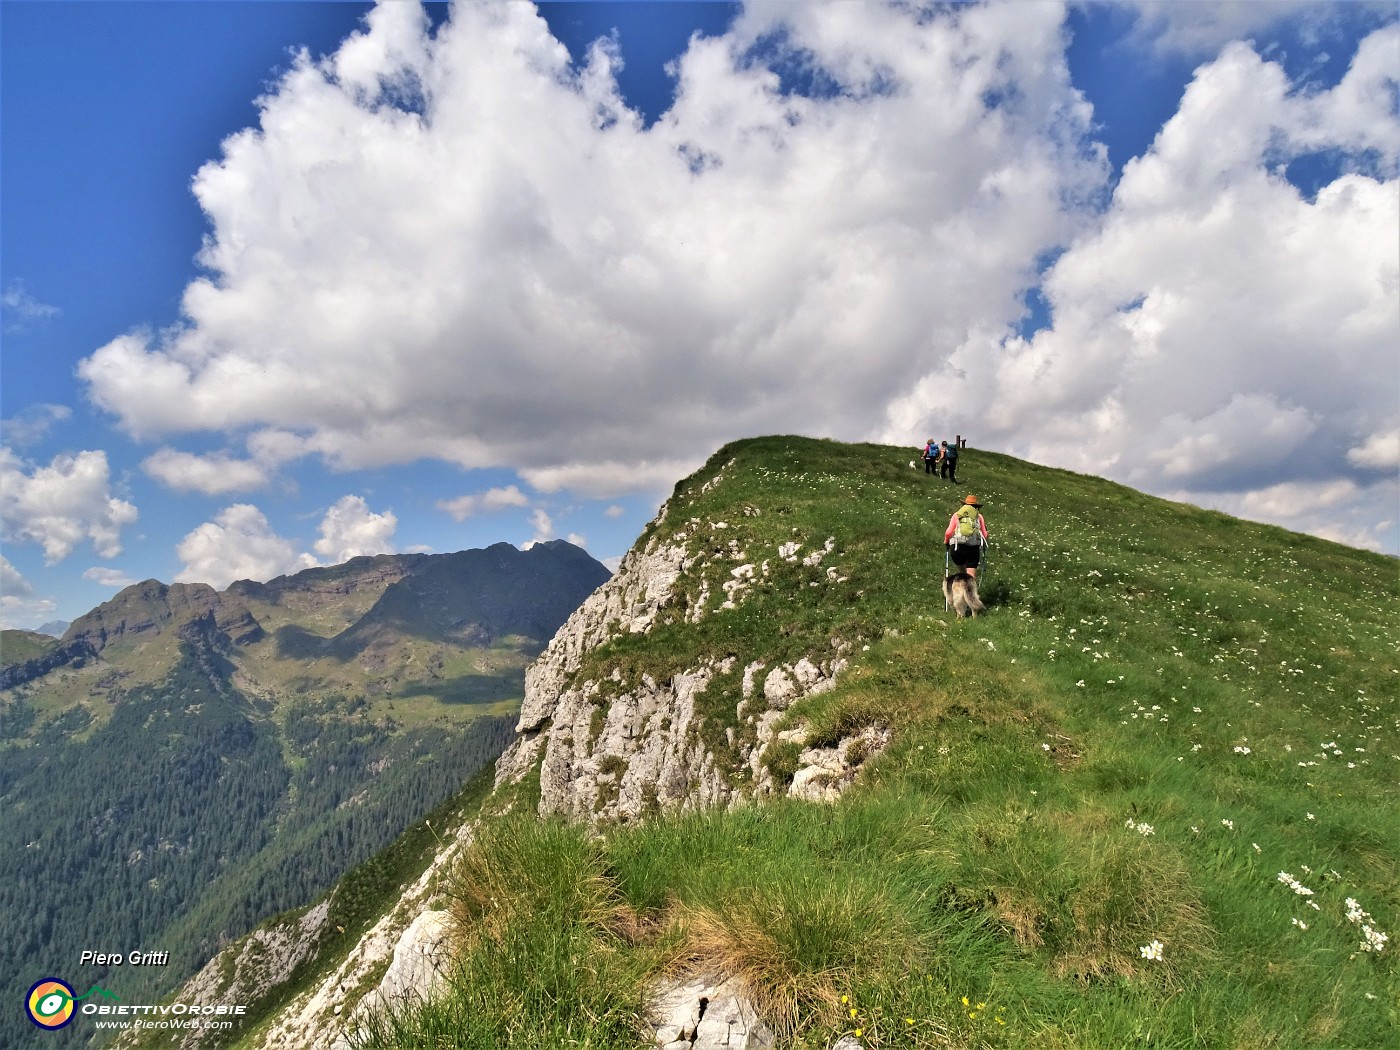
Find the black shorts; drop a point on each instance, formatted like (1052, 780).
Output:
(966, 555)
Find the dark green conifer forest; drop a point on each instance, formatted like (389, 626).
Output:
(187, 763)
(193, 813)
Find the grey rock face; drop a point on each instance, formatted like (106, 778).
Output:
(827, 771)
(417, 971)
(606, 751)
(626, 604)
(706, 1013)
(267, 957)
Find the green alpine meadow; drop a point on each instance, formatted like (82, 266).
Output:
(1149, 798)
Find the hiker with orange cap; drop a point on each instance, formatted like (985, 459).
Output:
(966, 536)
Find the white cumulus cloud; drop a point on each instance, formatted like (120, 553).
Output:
(107, 577)
(455, 244)
(25, 613)
(20, 606)
(32, 424)
(1200, 30)
(213, 475)
(1220, 335)
(464, 507)
(62, 505)
(543, 525)
(350, 529)
(1378, 452)
(239, 544)
(22, 311)
(458, 246)
(12, 581)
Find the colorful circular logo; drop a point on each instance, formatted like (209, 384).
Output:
(50, 1003)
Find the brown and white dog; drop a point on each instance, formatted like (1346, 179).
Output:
(960, 591)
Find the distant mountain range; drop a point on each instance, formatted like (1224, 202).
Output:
(184, 762)
(353, 621)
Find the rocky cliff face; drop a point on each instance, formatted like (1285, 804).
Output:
(609, 749)
(401, 958)
(145, 608)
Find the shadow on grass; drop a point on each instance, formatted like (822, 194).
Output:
(469, 689)
(994, 592)
(297, 643)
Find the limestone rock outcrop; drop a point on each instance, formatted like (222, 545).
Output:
(613, 742)
(263, 959)
(609, 749)
(412, 937)
(706, 1013)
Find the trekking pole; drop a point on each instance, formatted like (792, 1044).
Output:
(946, 550)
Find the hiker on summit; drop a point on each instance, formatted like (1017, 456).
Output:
(949, 457)
(930, 456)
(966, 535)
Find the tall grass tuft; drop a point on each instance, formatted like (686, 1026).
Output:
(543, 959)
(793, 945)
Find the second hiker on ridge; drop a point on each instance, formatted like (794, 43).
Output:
(949, 460)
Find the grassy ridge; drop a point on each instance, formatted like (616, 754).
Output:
(18, 646)
(1150, 800)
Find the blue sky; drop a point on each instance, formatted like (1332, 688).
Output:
(462, 276)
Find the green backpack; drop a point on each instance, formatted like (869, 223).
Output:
(967, 530)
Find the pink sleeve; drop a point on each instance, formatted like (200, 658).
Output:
(981, 524)
(952, 527)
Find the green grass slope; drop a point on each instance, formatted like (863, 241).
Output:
(1149, 799)
(19, 646)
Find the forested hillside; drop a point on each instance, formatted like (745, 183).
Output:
(190, 774)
